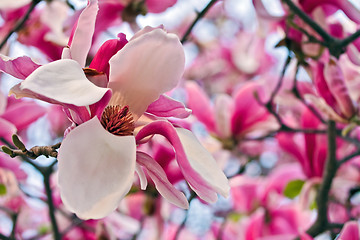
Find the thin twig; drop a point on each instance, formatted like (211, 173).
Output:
(349, 157)
(350, 39)
(308, 20)
(21, 23)
(198, 17)
(50, 203)
(35, 152)
(182, 225)
(280, 81)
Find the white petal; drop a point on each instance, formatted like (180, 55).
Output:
(96, 169)
(82, 38)
(203, 162)
(146, 67)
(142, 177)
(64, 81)
(162, 184)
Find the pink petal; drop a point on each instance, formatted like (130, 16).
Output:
(203, 162)
(165, 106)
(80, 41)
(141, 78)
(305, 236)
(162, 184)
(12, 164)
(156, 6)
(23, 113)
(321, 84)
(345, 5)
(336, 82)
(200, 104)
(353, 54)
(287, 143)
(96, 169)
(7, 129)
(248, 112)
(62, 81)
(350, 231)
(320, 104)
(108, 15)
(196, 163)
(20, 67)
(105, 52)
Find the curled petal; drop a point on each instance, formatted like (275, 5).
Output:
(62, 81)
(142, 176)
(203, 162)
(80, 41)
(20, 67)
(196, 163)
(96, 169)
(146, 67)
(167, 107)
(162, 184)
(105, 52)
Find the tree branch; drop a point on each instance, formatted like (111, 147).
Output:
(321, 224)
(198, 17)
(20, 23)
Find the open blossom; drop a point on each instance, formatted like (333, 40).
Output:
(98, 157)
(231, 118)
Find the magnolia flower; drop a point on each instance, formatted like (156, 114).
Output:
(308, 149)
(98, 157)
(335, 102)
(231, 118)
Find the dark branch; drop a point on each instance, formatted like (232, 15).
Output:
(321, 224)
(20, 23)
(198, 17)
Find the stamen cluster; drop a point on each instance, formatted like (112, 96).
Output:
(118, 120)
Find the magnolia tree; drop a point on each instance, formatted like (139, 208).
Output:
(144, 119)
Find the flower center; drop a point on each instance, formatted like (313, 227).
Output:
(118, 120)
(91, 72)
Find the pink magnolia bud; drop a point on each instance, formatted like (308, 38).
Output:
(336, 83)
